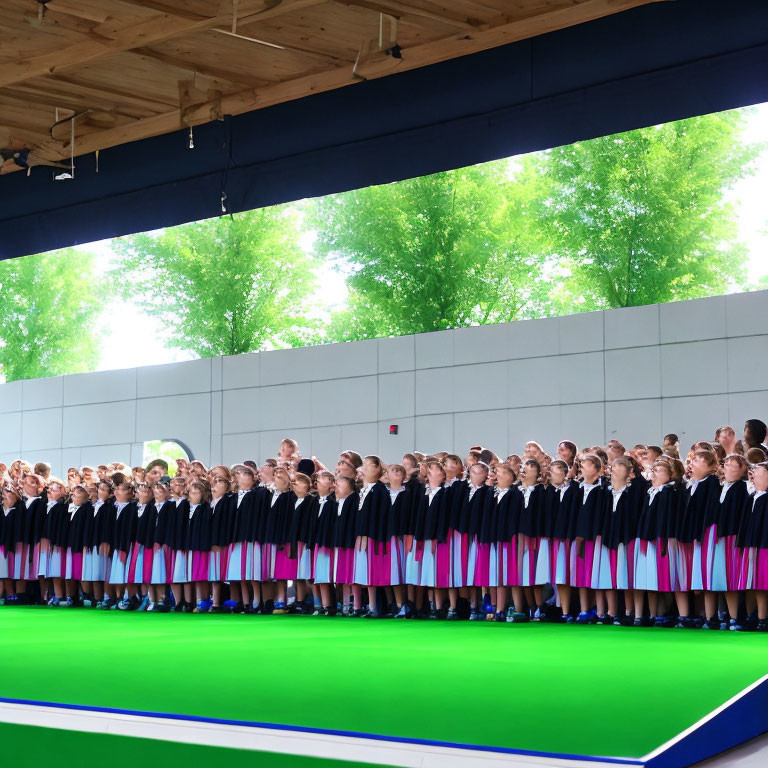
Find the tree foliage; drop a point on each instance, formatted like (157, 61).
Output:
(49, 304)
(641, 217)
(223, 286)
(429, 253)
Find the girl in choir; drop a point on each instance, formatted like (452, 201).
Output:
(566, 452)
(140, 559)
(279, 564)
(217, 563)
(372, 557)
(624, 502)
(96, 536)
(397, 522)
(300, 522)
(123, 531)
(198, 546)
(501, 515)
(10, 525)
(162, 559)
(653, 569)
(468, 502)
(432, 537)
(720, 557)
(559, 502)
(51, 561)
(321, 543)
(585, 525)
(33, 487)
(177, 539)
(70, 535)
(527, 588)
(753, 540)
(343, 539)
(455, 488)
(244, 557)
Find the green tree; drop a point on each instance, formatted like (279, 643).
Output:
(49, 304)
(641, 217)
(452, 249)
(223, 286)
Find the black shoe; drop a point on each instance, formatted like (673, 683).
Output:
(216, 609)
(369, 614)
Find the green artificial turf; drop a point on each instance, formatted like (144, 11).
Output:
(30, 747)
(589, 690)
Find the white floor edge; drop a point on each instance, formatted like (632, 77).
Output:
(272, 740)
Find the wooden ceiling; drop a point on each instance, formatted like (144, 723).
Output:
(120, 70)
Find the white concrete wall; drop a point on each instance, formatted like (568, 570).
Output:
(633, 374)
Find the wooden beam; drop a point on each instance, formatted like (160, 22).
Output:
(453, 46)
(109, 38)
(413, 14)
(203, 69)
(169, 8)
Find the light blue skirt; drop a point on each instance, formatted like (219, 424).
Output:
(118, 571)
(94, 565)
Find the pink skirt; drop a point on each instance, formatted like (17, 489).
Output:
(343, 565)
(560, 561)
(384, 563)
(759, 571)
(285, 566)
(200, 562)
(519, 561)
(74, 565)
(582, 563)
(684, 565)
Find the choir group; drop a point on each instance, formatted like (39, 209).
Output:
(601, 534)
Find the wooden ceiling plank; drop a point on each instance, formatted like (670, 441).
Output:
(110, 39)
(414, 14)
(241, 78)
(452, 46)
(71, 83)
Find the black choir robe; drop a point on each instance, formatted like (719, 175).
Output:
(321, 526)
(620, 527)
(467, 514)
(559, 504)
(729, 512)
(344, 521)
(754, 523)
(696, 508)
(97, 526)
(10, 527)
(372, 516)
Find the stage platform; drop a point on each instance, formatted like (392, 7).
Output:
(299, 691)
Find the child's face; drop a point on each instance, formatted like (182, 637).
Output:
(589, 472)
(699, 468)
(529, 474)
(324, 485)
(267, 473)
(478, 474)
(79, 496)
(9, 499)
(504, 479)
(452, 468)
(145, 494)
(660, 475)
(619, 474)
(103, 492)
(564, 453)
(244, 481)
(30, 486)
(123, 495)
(371, 472)
(342, 489)
(55, 492)
(300, 488)
(282, 481)
(220, 488)
(732, 471)
(195, 495)
(154, 474)
(161, 493)
(614, 452)
(435, 476)
(395, 478)
(556, 475)
(286, 450)
(178, 487)
(759, 479)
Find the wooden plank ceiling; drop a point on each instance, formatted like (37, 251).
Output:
(122, 70)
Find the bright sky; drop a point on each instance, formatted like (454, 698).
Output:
(125, 322)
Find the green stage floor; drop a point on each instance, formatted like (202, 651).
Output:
(28, 747)
(556, 688)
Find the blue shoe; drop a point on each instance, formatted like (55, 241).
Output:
(585, 617)
(487, 603)
(54, 601)
(144, 604)
(403, 612)
(66, 603)
(520, 618)
(279, 607)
